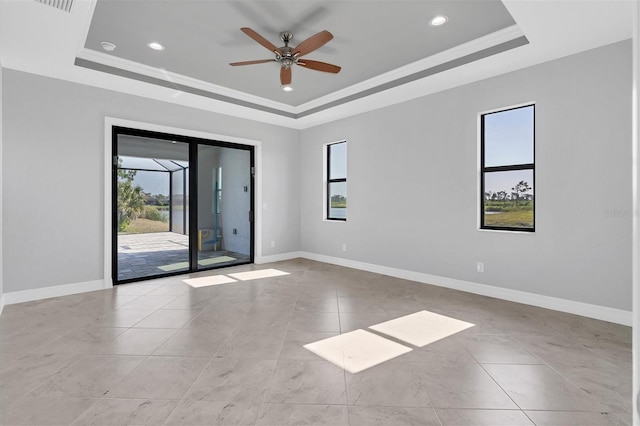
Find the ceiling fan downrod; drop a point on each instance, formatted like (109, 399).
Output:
(287, 58)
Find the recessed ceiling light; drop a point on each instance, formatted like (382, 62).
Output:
(109, 47)
(287, 88)
(438, 20)
(155, 45)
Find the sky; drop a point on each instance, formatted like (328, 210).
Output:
(508, 141)
(338, 160)
(509, 137)
(153, 182)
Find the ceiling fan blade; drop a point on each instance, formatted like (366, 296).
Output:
(259, 39)
(259, 61)
(285, 76)
(319, 66)
(312, 43)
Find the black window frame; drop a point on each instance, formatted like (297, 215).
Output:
(506, 168)
(333, 180)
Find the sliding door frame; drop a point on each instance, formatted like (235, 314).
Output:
(115, 126)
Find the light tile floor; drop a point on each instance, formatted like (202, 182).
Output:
(163, 352)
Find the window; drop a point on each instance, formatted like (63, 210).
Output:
(337, 181)
(507, 169)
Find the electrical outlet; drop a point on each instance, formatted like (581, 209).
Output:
(480, 267)
(344, 247)
(273, 243)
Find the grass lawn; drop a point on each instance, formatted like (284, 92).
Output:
(142, 226)
(515, 219)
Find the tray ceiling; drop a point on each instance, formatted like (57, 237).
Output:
(201, 38)
(387, 49)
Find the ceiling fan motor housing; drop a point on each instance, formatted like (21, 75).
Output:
(287, 59)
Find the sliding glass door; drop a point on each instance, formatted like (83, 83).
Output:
(224, 205)
(179, 204)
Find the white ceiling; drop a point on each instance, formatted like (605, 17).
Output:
(388, 52)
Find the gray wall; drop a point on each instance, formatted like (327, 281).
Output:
(412, 180)
(413, 183)
(54, 179)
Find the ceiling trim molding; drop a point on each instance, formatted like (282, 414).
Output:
(454, 63)
(180, 88)
(114, 62)
(496, 38)
(491, 44)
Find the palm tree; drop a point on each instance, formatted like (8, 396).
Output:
(520, 188)
(130, 199)
(502, 196)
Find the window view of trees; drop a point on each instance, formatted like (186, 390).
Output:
(338, 201)
(508, 169)
(140, 211)
(512, 208)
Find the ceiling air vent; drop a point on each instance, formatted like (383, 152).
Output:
(58, 4)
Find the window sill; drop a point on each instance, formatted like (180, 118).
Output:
(506, 231)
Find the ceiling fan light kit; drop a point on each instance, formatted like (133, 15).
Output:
(287, 56)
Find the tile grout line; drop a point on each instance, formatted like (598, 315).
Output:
(560, 373)
(176, 331)
(505, 392)
(344, 371)
(182, 399)
(275, 367)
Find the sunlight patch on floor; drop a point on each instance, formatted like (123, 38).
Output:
(357, 350)
(254, 275)
(421, 328)
(208, 281)
(232, 278)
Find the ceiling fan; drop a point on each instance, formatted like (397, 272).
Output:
(287, 56)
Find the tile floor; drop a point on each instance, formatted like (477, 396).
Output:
(163, 352)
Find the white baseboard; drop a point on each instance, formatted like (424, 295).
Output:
(603, 313)
(277, 257)
(53, 291)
